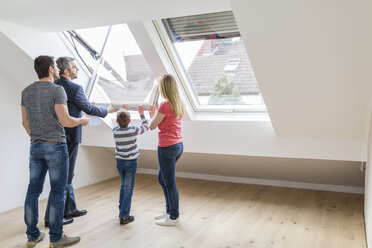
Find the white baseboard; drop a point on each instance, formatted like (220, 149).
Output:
(267, 182)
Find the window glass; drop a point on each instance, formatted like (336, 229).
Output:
(87, 44)
(123, 75)
(212, 54)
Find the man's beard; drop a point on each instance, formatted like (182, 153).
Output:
(55, 76)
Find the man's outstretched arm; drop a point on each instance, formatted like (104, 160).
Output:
(84, 105)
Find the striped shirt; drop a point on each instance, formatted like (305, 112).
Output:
(126, 140)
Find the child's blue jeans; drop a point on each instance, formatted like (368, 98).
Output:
(127, 171)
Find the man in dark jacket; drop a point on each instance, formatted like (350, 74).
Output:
(76, 102)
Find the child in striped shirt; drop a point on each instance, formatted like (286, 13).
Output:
(126, 156)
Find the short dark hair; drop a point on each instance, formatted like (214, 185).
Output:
(63, 64)
(123, 118)
(42, 64)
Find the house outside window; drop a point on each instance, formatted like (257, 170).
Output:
(120, 73)
(215, 67)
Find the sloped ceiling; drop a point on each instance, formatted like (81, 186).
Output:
(312, 60)
(16, 64)
(60, 15)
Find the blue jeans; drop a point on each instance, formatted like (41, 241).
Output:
(43, 157)
(70, 205)
(127, 171)
(167, 157)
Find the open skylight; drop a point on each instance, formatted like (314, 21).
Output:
(206, 51)
(214, 66)
(120, 71)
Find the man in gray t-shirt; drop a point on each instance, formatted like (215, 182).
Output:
(44, 114)
(39, 99)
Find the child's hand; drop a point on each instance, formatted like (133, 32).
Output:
(153, 110)
(125, 106)
(140, 109)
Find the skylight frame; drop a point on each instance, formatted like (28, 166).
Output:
(183, 76)
(100, 67)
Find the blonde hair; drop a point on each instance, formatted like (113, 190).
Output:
(169, 90)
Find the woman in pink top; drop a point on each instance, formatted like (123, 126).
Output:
(168, 120)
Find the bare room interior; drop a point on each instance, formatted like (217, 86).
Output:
(277, 130)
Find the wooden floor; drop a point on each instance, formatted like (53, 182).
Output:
(213, 214)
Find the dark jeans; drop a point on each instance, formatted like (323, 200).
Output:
(43, 157)
(127, 171)
(70, 205)
(167, 157)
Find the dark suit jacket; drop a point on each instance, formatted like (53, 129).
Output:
(77, 102)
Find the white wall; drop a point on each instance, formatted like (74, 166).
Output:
(251, 138)
(93, 13)
(34, 43)
(94, 165)
(312, 60)
(14, 147)
(368, 189)
(329, 175)
(368, 183)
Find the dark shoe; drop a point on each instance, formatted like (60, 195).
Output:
(126, 220)
(65, 221)
(77, 213)
(64, 241)
(31, 244)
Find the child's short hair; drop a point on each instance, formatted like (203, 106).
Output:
(123, 118)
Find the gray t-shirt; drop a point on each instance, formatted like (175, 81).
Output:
(39, 99)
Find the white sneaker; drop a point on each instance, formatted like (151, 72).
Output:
(161, 216)
(167, 221)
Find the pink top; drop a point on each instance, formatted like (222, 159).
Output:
(169, 127)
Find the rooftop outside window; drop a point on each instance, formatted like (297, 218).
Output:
(215, 67)
(120, 71)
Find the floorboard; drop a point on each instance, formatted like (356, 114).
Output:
(213, 214)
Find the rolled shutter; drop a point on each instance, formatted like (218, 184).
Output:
(206, 26)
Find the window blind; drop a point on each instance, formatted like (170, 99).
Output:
(206, 26)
